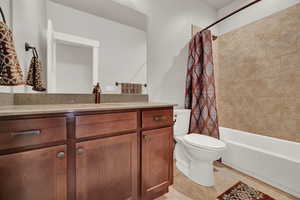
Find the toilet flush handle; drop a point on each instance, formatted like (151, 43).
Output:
(175, 119)
(159, 118)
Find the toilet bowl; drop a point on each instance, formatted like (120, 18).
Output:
(195, 153)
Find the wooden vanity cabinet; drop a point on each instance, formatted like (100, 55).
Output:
(103, 124)
(156, 157)
(36, 174)
(157, 118)
(109, 155)
(33, 131)
(107, 168)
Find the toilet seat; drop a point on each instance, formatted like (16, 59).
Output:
(204, 142)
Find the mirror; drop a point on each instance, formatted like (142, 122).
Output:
(79, 47)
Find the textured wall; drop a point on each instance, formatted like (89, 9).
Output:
(254, 13)
(259, 76)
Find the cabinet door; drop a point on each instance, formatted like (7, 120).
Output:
(107, 168)
(34, 175)
(156, 162)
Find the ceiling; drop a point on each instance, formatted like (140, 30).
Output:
(121, 10)
(110, 10)
(218, 4)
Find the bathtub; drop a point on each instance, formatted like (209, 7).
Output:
(273, 161)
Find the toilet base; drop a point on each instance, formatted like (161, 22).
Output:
(182, 167)
(201, 173)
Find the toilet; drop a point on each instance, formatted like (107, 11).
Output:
(195, 153)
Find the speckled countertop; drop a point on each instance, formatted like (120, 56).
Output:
(66, 108)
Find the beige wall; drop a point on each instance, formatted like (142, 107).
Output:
(259, 76)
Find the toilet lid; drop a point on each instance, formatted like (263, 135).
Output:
(203, 141)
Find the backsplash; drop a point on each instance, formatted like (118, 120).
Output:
(6, 99)
(38, 99)
(259, 76)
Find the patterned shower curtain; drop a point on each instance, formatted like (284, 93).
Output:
(200, 86)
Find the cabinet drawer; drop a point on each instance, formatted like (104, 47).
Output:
(156, 118)
(93, 125)
(26, 132)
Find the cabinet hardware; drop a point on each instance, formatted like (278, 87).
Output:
(26, 133)
(159, 118)
(80, 150)
(61, 155)
(146, 137)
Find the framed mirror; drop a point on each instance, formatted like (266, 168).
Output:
(79, 47)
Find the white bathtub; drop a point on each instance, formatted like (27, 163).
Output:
(273, 161)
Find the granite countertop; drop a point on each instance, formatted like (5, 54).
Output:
(15, 110)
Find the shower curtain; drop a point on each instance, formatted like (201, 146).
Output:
(200, 86)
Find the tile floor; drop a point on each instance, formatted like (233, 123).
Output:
(225, 177)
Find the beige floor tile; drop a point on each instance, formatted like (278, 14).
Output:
(225, 177)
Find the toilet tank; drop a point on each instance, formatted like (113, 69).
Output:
(182, 117)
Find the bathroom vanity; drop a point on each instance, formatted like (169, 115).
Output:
(116, 151)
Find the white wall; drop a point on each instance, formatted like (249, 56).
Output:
(169, 31)
(256, 12)
(75, 69)
(27, 19)
(29, 25)
(5, 5)
(123, 50)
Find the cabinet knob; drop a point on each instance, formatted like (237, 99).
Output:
(146, 137)
(61, 155)
(80, 150)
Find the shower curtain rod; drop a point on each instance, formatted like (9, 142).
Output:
(227, 16)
